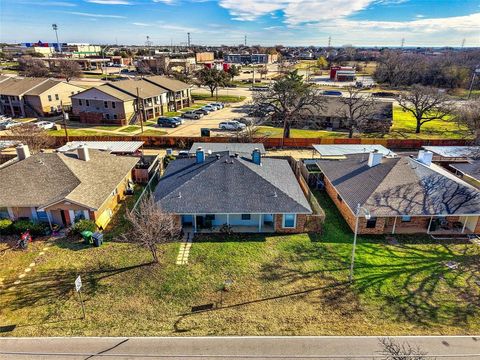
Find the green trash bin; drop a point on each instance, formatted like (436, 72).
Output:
(87, 236)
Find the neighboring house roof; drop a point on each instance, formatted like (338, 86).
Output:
(471, 169)
(342, 150)
(47, 85)
(230, 185)
(168, 83)
(122, 147)
(18, 87)
(400, 186)
(454, 151)
(5, 144)
(244, 148)
(47, 178)
(333, 107)
(145, 88)
(106, 89)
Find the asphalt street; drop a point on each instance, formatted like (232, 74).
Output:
(241, 348)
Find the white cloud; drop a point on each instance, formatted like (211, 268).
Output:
(110, 2)
(49, 3)
(168, 2)
(141, 24)
(95, 15)
(295, 11)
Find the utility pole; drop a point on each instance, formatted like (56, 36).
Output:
(55, 28)
(463, 43)
(402, 42)
(329, 41)
(188, 40)
(245, 40)
(140, 110)
(475, 73)
(65, 118)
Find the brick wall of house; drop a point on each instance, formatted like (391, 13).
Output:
(349, 216)
(300, 225)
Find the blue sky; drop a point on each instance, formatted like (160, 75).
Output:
(266, 22)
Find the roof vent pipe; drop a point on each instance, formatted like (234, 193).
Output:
(23, 151)
(374, 159)
(200, 155)
(83, 153)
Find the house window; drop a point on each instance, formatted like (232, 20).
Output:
(210, 217)
(105, 104)
(372, 223)
(246, 217)
(52, 109)
(73, 92)
(57, 97)
(80, 102)
(107, 116)
(4, 213)
(49, 97)
(87, 102)
(115, 116)
(339, 198)
(42, 216)
(289, 220)
(114, 192)
(79, 215)
(406, 218)
(114, 105)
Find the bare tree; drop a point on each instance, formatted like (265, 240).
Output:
(392, 350)
(291, 100)
(35, 137)
(33, 67)
(425, 104)
(359, 110)
(150, 226)
(69, 69)
(251, 131)
(263, 72)
(468, 114)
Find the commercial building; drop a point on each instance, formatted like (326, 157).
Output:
(251, 58)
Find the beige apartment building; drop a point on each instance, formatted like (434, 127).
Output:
(35, 97)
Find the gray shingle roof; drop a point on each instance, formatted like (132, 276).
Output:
(244, 148)
(471, 169)
(18, 87)
(219, 186)
(47, 178)
(400, 186)
(168, 83)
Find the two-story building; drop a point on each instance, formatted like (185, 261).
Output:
(179, 93)
(22, 97)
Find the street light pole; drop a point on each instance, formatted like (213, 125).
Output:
(55, 28)
(357, 216)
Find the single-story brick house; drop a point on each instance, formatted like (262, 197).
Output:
(402, 194)
(61, 188)
(247, 192)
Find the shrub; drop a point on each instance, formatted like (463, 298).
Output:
(5, 226)
(84, 225)
(36, 229)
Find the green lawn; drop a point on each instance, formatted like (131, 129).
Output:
(80, 132)
(221, 98)
(130, 129)
(282, 285)
(151, 132)
(403, 127)
(108, 127)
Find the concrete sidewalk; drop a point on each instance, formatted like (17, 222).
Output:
(443, 347)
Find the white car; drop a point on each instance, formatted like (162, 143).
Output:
(210, 108)
(232, 125)
(216, 106)
(9, 124)
(46, 125)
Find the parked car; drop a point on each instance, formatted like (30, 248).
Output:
(383, 94)
(9, 124)
(167, 122)
(4, 118)
(190, 114)
(209, 108)
(46, 125)
(179, 119)
(332, 93)
(232, 125)
(202, 112)
(183, 154)
(219, 105)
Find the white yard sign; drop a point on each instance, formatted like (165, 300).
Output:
(78, 283)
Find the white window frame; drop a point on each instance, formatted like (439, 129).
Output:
(294, 221)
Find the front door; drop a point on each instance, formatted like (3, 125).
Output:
(64, 219)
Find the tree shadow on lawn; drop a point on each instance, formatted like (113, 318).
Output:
(57, 287)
